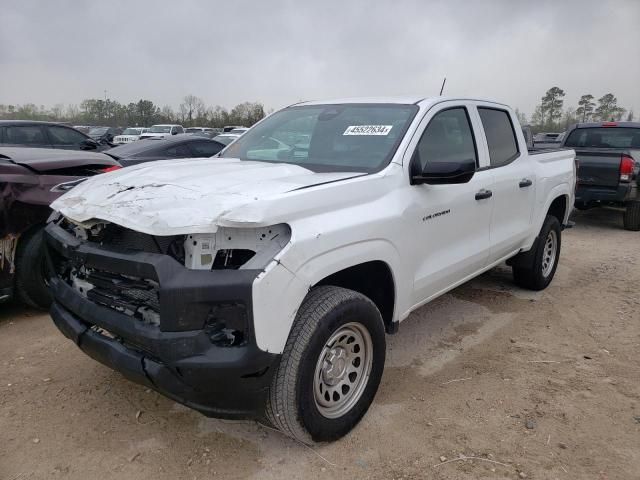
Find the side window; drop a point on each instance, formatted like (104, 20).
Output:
(178, 151)
(447, 138)
(65, 136)
(24, 135)
(205, 149)
(501, 138)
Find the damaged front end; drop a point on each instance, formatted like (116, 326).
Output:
(170, 312)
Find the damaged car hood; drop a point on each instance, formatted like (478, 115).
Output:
(184, 196)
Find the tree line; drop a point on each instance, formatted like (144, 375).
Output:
(94, 111)
(550, 114)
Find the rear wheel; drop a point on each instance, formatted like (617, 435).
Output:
(31, 278)
(631, 216)
(330, 368)
(545, 260)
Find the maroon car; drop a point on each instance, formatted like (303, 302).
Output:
(30, 179)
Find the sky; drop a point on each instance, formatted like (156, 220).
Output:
(282, 51)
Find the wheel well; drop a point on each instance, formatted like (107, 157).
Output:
(372, 279)
(558, 208)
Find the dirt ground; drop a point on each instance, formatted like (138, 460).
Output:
(534, 385)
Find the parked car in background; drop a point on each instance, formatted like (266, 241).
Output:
(198, 129)
(28, 133)
(546, 140)
(608, 155)
(130, 134)
(238, 131)
(176, 146)
(104, 134)
(546, 137)
(162, 130)
(247, 287)
(83, 128)
(228, 128)
(30, 179)
(207, 134)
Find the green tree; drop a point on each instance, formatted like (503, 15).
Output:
(585, 107)
(608, 108)
(552, 105)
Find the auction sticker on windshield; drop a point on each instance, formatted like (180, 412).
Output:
(368, 130)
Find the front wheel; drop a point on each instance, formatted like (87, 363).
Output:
(330, 368)
(31, 271)
(545, 259)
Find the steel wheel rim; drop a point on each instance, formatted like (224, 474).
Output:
(549, 252)
(343, 369)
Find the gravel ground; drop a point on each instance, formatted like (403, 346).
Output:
(533, 385)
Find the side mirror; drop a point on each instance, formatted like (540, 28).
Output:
(443, 173)
(88, 144)
(174, 132)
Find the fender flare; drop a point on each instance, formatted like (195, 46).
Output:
(280, 290)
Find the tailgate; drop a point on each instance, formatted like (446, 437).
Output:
(599, 168)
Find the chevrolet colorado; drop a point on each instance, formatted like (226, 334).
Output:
(261, 283)
(608, 155)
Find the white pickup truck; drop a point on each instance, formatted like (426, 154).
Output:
(260, 283)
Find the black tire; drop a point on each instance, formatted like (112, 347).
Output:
(537, 277)
(31, 284)
(631, 216)
(291, 405)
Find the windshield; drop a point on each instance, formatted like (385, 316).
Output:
(98, 131)
(604, 137)
(328, 138)
(160, 129)
(132, 131)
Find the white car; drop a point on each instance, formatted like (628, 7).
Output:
(162, 130)
(198, 129)
(261, 283)
(129, 135)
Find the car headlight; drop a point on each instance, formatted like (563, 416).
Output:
(235, 248)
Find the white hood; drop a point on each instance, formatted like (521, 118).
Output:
(173, 197)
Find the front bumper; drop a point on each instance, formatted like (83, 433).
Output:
(178, 357)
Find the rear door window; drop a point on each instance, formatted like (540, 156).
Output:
(501, 138)
(178, 151)
(205, 149)
(25, 135)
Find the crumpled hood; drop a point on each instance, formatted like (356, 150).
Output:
(183, 196)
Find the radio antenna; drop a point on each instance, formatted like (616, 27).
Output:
(442, 88)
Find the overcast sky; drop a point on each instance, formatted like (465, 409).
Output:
(279, 52)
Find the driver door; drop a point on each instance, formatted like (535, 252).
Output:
(451, 222)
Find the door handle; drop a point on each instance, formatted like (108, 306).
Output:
(482, 194)
(525, 182)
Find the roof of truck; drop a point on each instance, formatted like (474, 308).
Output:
(400, 100)
(609, 124)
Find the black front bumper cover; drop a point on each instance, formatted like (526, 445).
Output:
(177, 358)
